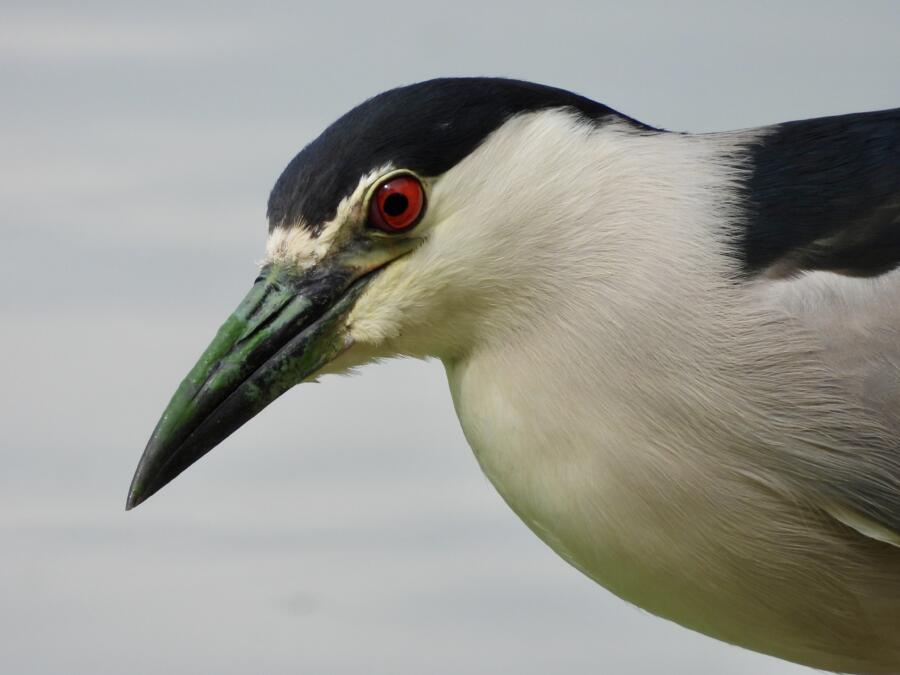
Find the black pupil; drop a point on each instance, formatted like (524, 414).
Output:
(396, 204)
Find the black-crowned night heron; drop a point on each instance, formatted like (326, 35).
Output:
(675, 356)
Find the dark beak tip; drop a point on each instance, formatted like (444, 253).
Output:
(135, 498)
(142, 486)
(132, 500)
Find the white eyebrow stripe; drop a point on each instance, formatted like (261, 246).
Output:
(297, 245)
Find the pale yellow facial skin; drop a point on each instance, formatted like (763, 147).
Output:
(418, 288)
(350, 240)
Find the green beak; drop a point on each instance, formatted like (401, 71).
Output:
(284, 331)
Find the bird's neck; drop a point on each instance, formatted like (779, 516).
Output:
(626, 246)
(619, 323)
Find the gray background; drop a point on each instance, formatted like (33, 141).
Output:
(347, 529)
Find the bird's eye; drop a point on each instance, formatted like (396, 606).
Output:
(397, 204)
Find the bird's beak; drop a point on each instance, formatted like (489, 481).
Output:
(287, 328)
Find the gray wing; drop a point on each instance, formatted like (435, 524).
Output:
(856, 323)
(822, 245)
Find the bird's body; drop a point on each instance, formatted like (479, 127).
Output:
(649, 346)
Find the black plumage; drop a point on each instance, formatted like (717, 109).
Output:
(825, 194)
(426, 127)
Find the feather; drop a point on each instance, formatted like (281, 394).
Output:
(824, 194)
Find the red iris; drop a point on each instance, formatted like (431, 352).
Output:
(397, 204)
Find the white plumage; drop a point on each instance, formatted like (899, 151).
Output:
(621, 391)
(716, 447)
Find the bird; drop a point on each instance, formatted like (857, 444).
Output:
(676, 356)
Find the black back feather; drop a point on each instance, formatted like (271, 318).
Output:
(824, 194)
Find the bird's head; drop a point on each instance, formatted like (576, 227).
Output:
(422, 221)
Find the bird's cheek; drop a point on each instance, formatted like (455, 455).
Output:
(400, 314)
(372, 326)
(377, 318)
(371, 332)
